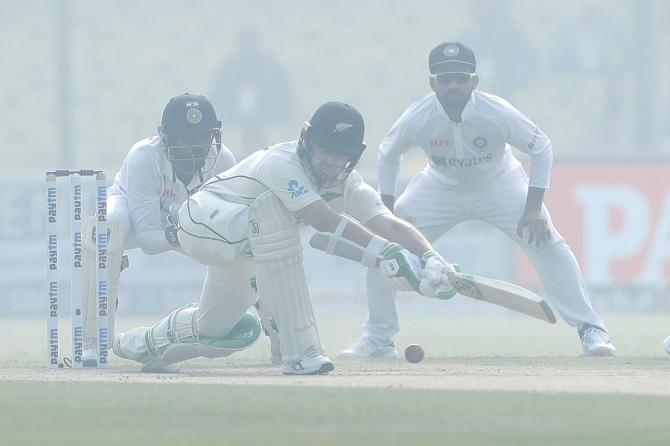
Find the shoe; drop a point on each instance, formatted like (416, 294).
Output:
(313, 362)
(365, 348)
(666, 344)
(595, 342)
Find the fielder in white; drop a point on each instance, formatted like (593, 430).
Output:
(156, 177)
(472, 175)
(244, 225)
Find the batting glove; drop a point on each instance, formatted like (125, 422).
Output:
(401, 267)
(434, 281)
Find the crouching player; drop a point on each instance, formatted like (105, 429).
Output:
(157, 175)
(244, 225)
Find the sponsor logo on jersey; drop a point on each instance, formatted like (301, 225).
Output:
(461, 162)
(533, 140)
(296, 189)
(440, 143)
(329, 195)
(168, 193)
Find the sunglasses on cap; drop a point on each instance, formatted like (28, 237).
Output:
(447, 78)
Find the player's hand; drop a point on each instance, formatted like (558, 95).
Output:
(537, 225)
(401, 267)
(434, 281)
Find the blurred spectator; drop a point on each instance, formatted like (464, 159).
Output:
(504, 56)
(252, 92)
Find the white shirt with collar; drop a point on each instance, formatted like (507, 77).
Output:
(146, 189)
(468, 154)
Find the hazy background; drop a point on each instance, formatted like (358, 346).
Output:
(81, 81)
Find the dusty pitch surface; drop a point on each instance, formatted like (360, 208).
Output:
(633, 375)
(485, 380)
(473, 353)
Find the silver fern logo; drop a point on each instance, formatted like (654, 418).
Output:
(342, 126)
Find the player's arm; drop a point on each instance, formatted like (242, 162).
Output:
(396, 263)
(144, 186)
(324, 219)
(528, 138)
(399, 231)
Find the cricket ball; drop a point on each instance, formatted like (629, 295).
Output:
(414, 353)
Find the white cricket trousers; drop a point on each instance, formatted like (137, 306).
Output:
(434, 209)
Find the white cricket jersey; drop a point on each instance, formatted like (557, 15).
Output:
(470, 153)
(150, 187)
(279, 169)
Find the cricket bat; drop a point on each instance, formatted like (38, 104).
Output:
(497, 292)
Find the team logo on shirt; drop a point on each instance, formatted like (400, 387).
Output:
(193, 115)
(480, 142)
(296, 189)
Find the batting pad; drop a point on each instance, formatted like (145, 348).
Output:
(89, 295)
(280, 277)
(175, 339)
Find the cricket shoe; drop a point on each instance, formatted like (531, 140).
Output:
(365, 347)
(595, 342)
(156, 366)
(666, 345)
(313, 362)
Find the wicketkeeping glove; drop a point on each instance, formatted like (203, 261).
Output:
(434, 281)
(172, 225)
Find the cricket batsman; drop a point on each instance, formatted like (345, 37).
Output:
(244, 225)
(472, 174)
(156, 176)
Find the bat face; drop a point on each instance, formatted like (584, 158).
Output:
(465, 286)
(502, 293)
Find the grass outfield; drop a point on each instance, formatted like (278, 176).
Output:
(132, 414)
(486, 380)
